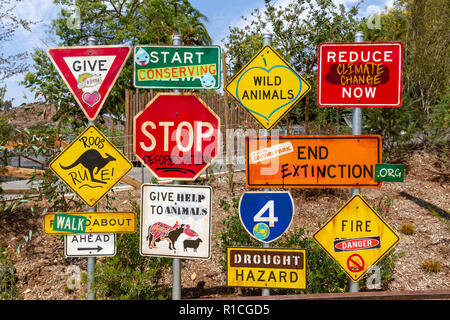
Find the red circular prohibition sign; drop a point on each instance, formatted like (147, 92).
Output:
(357, 261)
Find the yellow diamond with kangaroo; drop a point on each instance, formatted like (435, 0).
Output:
(91, 165)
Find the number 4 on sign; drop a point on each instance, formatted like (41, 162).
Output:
(271, 219)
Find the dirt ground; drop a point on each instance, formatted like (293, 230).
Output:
(422, 201)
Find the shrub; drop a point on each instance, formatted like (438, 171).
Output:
(323, 274)
(128, 275)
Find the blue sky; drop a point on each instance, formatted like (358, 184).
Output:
(220, 13)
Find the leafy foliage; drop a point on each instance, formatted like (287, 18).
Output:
(10, 65)
(8, 276)
(110, 22)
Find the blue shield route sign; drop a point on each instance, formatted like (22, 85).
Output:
(266, 215)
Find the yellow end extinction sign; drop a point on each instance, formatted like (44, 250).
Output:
(267, 87)
(266, 268)
(91, 165)
(356, 237)
(89, 222)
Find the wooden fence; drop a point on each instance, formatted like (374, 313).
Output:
(135, 101)
(364, 295)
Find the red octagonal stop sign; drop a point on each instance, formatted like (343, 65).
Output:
(176, 136)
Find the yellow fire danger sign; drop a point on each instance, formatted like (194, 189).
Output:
(266, 268)
(96, 222)
(91, 165)
(356, 237)
(267, 87)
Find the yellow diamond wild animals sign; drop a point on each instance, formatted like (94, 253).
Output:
(267, 87)
(356, 237)
(91, 165)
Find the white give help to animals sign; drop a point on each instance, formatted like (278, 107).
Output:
(175, 221)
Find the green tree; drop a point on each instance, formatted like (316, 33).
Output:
(112, 22)
(10, 65)
(422, 26)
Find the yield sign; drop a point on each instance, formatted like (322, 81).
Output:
(356, 237)
(90, 72)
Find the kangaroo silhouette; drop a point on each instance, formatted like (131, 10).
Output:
(91, 159)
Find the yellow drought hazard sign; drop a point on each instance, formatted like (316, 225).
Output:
(356, 237)
(267, 87)
(91, 165)
(266, 268)
(89, 222)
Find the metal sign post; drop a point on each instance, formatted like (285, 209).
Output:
(92, 41)
(267, 40)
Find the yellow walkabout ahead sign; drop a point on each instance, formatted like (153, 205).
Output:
(91, 165)
(89, 222)
(267, 87)
(356, 237)
(266, 268)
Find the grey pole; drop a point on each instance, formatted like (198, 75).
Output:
(90, 272)
(356, 130)
(267, 40)
(92, 41)
(176, 262)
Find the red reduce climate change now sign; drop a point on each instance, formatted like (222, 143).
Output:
(90, 72)
(176, 136)
(360, 74)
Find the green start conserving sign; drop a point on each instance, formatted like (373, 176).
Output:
(172, 67)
